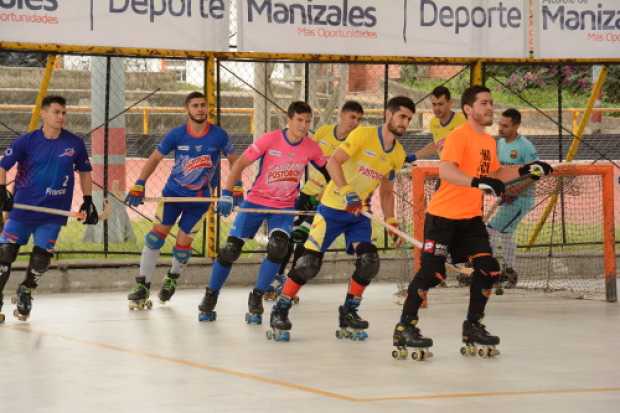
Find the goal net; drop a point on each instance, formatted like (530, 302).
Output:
(566, 242)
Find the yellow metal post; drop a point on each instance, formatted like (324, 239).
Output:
(476, 73)
(572, 151)
(210, 92)
(47, 75)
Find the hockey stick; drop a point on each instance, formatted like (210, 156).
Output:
(274, 211)
(413, 241)
(180, 199)
(509, 185)
(105, 213)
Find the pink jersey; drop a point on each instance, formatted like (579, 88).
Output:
(282, 165)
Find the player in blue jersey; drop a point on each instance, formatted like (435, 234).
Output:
(46, 160)
(198, 146)
(512, 149)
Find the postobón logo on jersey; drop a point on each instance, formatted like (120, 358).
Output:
(200, 162)
(289, 172)
(28, 11)
(69, 152)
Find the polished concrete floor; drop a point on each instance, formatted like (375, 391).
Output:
(89, 353)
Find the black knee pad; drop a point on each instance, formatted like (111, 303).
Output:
(366, 264)
(307, 267)
(486, 269)
(40, 260)
(230, 252)
(432, 271)
(278, 246)
(8, 253)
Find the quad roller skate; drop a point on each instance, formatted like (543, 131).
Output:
(275, 289)
(407, 336)
(139, 296)
(2, 316)
(478, 341)
(352, 326)
(206, 307)
(23, 303)
(255, 308)
(279, 322)
(168, 287)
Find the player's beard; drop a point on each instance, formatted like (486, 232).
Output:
(395, 131)
(198, 121)
(482, 119)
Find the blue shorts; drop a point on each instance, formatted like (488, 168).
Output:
(16, 232)
(329, 223)
(247, 223)
(190, 214)
(508, 216)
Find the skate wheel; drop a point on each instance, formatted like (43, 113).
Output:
(284, 336)
(464, 351)
(212, 316)
(416, 356)
(339, 335)
(499, 291)
(20, 316)
(2, 318)
(269, 334)
(482, 353)
(148, 304)
(395, 355)
(495, 352)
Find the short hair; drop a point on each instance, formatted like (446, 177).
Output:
(470, 94)
(352, 106)
(440, 91)
(194, 95)
(48, 100)
(397, 102)
(298, 107)
(514, 115)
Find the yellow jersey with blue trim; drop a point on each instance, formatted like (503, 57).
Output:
(440, 132)
(368, 164)
(325, 136)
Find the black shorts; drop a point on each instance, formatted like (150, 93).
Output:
(461, 238)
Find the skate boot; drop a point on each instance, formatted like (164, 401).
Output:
(168, 287)
(207, 306)
(408, 335)
(511, 278)
(275, 289)
(255, 308)
(352, 326)
(463, 279)
(139, 296)
(2, 316)
(478, 340)
(279, 322)
(23, 302)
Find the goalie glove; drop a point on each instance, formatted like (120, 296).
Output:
(353, 203)
(535, 169)
(489, 185)
(237, 193)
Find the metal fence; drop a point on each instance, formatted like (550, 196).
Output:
(123, 106)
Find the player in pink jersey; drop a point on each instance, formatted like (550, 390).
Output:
(284, 155)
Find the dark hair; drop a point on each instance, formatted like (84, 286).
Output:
(352, 106)
(298, 107)
(48, 100)
(514, 115)
(440, 91)
(469, 95)
(397, 102)
(194, 95)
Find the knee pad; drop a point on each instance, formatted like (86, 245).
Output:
(8, 253)
(182, 253)
(432, 272)
(231, 251)
(307, 267)
(40, 260)
(366, 264)
(486, 270)
(278, 246)
(154, 240)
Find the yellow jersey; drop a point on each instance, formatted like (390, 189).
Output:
(325, 136)
(368, 164)
(440, 131)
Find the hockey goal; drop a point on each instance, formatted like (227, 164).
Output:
(566, 243)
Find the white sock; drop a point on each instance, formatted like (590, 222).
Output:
(148, 262)
(176, 267)
(509, 247)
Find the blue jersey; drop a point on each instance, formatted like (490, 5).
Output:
(518, 152)
(45, 173)
(196, 159)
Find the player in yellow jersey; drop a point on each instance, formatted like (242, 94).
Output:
(454, 226)
(367, 159)
(444, 121)
(329, 137)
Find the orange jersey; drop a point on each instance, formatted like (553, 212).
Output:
(475, 154)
